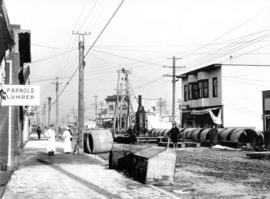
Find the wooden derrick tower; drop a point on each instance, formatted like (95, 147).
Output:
(123, 112)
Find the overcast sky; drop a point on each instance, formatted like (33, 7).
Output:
(142, 35)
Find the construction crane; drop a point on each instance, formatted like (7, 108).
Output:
(123, 112)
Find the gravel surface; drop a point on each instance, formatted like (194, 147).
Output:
(213, 173)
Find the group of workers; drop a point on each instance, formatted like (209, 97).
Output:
(51, 143)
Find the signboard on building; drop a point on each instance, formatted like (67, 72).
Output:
(21, 95)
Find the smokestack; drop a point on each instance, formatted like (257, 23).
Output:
(140, 100)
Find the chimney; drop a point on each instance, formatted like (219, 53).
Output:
(140, 100)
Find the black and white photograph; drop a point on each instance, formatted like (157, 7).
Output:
(134, 99)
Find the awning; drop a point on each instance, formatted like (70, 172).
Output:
(216, 119)
(6, 34)
(203, 112)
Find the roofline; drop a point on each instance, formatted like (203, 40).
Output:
(183, 75)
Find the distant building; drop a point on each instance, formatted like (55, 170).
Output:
(266, 110)
(108, 113)
(111, 104)
(210, 101)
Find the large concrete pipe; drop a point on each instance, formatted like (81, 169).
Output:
(209, 136)
(100, 141)
(196, 134)
(86, 145)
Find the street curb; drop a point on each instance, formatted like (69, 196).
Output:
(96, 157)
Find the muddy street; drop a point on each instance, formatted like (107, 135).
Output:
(210, 173)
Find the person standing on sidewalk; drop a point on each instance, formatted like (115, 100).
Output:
(67, 140)
(50, 134)
(38, 132)
(174, 133)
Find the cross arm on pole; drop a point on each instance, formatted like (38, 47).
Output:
(174, 67)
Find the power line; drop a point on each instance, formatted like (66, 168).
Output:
(253, 65)
(226, 33)
(247, 52)
(192, 52)
(97, 16)
(89, 13)
(104, 28)
(92, 46)
(46, 46)
(50, 57)
(235, 49)
(128, 58)
(44, 80)
(148, 83)
(232, 49)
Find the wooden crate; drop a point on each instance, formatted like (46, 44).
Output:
(155, 165)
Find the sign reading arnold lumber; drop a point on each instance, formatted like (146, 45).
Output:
(21, 95)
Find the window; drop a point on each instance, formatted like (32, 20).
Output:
(186, 92)
(203, 89)
(200, 89)
(111, 108)
(195, 89)
(215, 87)
(190, 91)
(267, 104)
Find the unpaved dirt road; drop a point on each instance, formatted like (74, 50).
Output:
(205, 173)
(209, 173)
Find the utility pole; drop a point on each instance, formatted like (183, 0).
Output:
(101, 109)
(44, 116)
(37, 118)
(81, 91)
(57, 104)
(173, 83)
(96, 107)
(49, 110)
(73, 114)
(160, 106)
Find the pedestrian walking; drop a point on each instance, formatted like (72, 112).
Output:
(174, 133)
(67, 135)
(38, 132)
(50, 134)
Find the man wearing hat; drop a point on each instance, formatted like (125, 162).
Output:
(174, 132)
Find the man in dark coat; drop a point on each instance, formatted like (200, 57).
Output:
(174, 133)
(132, 133)
(38, 132)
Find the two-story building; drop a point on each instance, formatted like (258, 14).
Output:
(213, 97)
(266, 110)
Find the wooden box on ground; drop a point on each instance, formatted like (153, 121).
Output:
(121, 160)
(155, 165)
